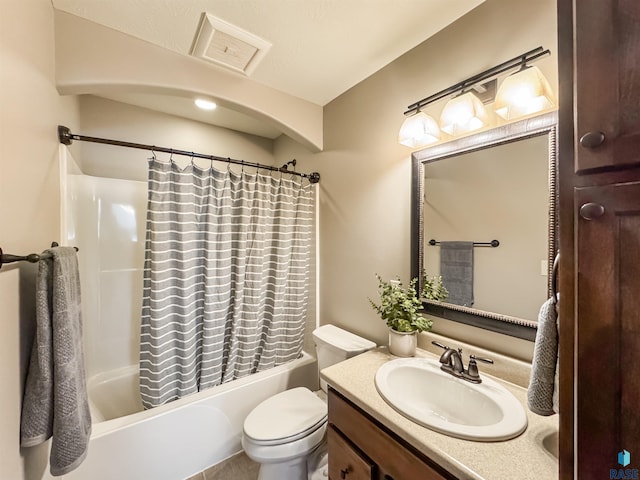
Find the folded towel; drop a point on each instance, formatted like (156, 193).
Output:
(543, 382)
(55, 400)
(456, 269)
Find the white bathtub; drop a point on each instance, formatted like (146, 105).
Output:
(181, 438)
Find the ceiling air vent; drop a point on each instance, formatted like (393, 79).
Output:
(227, 45)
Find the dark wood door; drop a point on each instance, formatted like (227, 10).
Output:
(607, 49)
(607, 225)
(599, 275)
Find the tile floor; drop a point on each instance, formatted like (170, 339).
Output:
(238, 467)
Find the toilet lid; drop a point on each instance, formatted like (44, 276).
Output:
(286, 416)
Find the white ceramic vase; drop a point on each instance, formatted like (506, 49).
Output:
(402, 344)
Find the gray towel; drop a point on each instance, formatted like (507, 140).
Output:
(456, 269)
(55, 399)
(542, 392)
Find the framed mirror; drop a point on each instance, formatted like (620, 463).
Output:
(496, 192)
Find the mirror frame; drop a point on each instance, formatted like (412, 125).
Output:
(545, 124)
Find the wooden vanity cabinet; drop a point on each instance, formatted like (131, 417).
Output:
(361, 448)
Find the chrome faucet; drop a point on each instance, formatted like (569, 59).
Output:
(451, 361)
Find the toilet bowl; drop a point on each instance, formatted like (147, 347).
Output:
(285, 429)
(281, 431)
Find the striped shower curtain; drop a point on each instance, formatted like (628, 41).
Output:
(226, 277)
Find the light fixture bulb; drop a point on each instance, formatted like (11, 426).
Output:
(419, 130)
(205, 104)
(463, 114)
(523, 93)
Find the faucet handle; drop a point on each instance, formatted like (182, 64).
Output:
(480, 359)
(437, 344)
(472, 373)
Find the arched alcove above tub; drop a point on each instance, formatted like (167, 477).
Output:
(93, 59)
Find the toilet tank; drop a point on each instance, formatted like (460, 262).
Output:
(333, 345)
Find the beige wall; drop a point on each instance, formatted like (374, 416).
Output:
(365, 186)
(104, 118)
(30, 110)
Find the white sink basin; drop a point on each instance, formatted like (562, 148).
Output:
(419, 390)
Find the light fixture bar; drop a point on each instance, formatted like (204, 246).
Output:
(518, 61)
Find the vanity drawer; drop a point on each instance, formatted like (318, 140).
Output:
(344, 462)
(393, 458)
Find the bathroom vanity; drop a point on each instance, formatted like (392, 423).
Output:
(362, 448)
(368, 439)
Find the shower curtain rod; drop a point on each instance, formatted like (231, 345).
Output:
(66, 137)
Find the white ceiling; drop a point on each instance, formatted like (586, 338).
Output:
(320, 48)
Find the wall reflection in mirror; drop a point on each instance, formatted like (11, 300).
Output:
(500, 185)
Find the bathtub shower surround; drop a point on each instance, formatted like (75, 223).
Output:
(226, 277)
(105, 218)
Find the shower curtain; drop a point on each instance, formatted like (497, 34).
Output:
(226, 277)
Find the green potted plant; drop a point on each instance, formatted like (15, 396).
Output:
(399, 307)
(433, 288)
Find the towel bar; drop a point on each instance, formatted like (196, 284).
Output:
(31, 258)
(492, 243)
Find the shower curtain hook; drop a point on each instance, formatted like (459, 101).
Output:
(192, 160)
(171, 156)
(153, 152)
(228, 164)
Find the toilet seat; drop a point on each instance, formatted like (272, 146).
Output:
(285, 417)
(283, 452)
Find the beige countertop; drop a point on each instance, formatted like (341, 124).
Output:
(523, 457)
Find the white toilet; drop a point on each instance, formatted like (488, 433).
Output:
(283, 430)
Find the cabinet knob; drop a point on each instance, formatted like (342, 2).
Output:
(591, 211)
(592, 139)
(388, 477)
(344, 472)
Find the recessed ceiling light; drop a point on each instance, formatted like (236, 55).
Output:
(205, 104)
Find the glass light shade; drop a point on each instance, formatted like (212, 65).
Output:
(463, 114)
(524, 93)
(419, 130)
